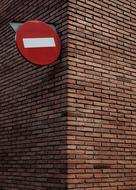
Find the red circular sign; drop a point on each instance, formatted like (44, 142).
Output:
(38, 42)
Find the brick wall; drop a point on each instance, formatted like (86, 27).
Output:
(32, 103)
(102, 95)
(70, 125)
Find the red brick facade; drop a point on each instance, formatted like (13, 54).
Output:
(70, 125)
(102, 95)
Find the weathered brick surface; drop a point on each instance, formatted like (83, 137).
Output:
(101, 95)
(32, 103)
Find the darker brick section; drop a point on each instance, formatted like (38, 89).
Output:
(102, 166)
(32, 100)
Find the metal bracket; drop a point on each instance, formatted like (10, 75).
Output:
(15, 25)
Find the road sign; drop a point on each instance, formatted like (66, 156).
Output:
(38, 42)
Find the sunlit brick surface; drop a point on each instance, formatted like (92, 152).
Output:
(102, 95)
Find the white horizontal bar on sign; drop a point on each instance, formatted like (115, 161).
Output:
(38, 42)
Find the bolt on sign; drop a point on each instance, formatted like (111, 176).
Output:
(38, 42)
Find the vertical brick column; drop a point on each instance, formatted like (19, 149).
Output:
(32, 103)
(101, 95)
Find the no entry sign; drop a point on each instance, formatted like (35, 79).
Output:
(38, 42)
